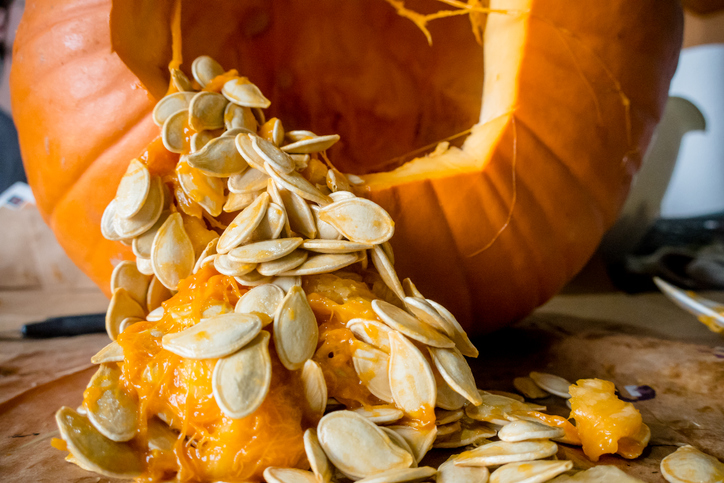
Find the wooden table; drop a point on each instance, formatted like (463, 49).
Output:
(639, 339)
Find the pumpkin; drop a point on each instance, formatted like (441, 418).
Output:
(491, 224)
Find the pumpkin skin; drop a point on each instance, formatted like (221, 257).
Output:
(571, 93)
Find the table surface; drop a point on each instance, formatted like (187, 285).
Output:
(639, 339)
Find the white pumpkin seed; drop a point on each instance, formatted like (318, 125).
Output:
(113, 412)
(172, 254)
(205, 190)
(276, 131)
(240, 382)
(444, 416)
(449, 472)
(387, 271)
(213, 337)
(243, 93)
(359, 220)
(526, 430)
(143, 243)
(410, 326)
(372, 367)
(551, 383)
(288, 475)
(264, 299)
(447, 398)
(236, 116)
(501, 452)
(95, 452)
(401, 475)
(286, 283)
(341, 195)
(315, 387)
(324, 229)
(272, 154)
(283, 264)
(457, 373)
(496, 409)
(216, 307)
(113, 352)
(317, 459)
(298, 184)
(444, 430)
(250, 181)
(298, 135)
(198, 140)
(160, 436)
(371, 332)
(295, 330)
(180, 81)
(420, 308)
(312, 145)
(108, 229)
(126, 275)
(226, 266)
(380, 414)
(204, 69)
(244, 224)
(399, 441)
(122, 305)
(264, 251)
(156, 295)
(271, 225)
(156, 314)
(127, 322)
(598, 474)
(420, 440)
(336, 181)
(245, 145)
(471, 433)
(144, 266)
(219, 157)
(172, 103)
(253, 279)
(460, 338)
(409, 287)
(323, 263)
(334, 246)
(133, 189)
(529, 388)
(412, 383)
(173, 132)
(530, 471)
(301, 161)
(236, 201)
(206, 111)
(301, 219)
(357, 447)
(149, 213)
(688, 465)
(210, 249)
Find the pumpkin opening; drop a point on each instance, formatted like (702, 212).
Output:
(357, 69)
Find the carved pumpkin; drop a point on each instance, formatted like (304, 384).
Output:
(570, 94)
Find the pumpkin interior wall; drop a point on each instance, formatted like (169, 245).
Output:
(352, 67)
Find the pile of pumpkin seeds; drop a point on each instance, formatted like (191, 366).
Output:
(288, 228)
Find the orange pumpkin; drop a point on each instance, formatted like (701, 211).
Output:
(570, 93)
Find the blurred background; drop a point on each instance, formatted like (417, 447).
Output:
(672, 225)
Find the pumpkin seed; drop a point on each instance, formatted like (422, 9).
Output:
(354, 179)
(447, 398)
(144, 266)
(380, 414)
(250, 181)
(298, 184)
(324, 229)
(295, 330)
(205, 190)
(108, 230)
(529, 388)
(301, 161)
(113, 352)
(387, 271)
(264, 299)
(172, 103)
(288, 475)
(143, 243)
(225, 265)
(204, 69)
(688, 465)
(240, 382)
(420, 440)
(336, 181)
(126, 275)
(283, 264)
(245, 145)
(420, 308)
(236, 131)
(501, 452)
(598, 474)
(412, 383)
(172, 254)
(530, 471)
(552, 384)
(447, 429)
(526, 430)
(236, 201)
(214, 337)
(216, 307)
(127, 322)
(210, 249)
(462, 342)
(236, 116)
(409, 287)
(133, 189)
(371, 332)
(156, 314)
(160, 436)
(273, 131)
(341, 195)
(272, 154)
(323, 263)
(113, 412)
(180, 81)
(173, 133)
(244, 224)
(334, 246)
(148, 215)
(298, 135)
(471, 433)
(357, 447)
(286, 283)
(372, 367)
(315, 388)
(401, 475)
(312, 145)
(400, 442)
(444, 416)
(410, 326)
(317, 459)
(206, 111)
(496, 409)
(122, 305)
(301, 219)
(253, 279)
(245, 94)
(198, 140)
(457, 373)
(264, 251)
(95, 452)
(156, 295)
(219, 158)
(258, 115)
(271, 225)
(359, 220)
(275, 193)
(449, 472)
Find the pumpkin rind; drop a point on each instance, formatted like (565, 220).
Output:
(541, 177)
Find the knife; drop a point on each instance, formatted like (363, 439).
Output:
(65, 326)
